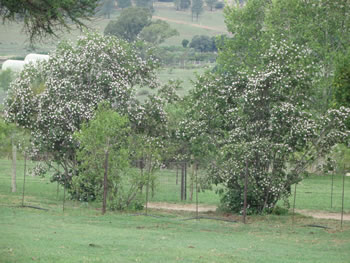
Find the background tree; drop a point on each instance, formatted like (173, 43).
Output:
(124, 4)
(106, 8)
(157, 32)
(203, 43)
(185, 42)
(196, 8)
(182, 4)
(210, 4)
(129, 24)
(42, 18)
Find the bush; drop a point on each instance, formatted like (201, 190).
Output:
(280, 211)
(185, 43)
(203, 43)
(219, 5)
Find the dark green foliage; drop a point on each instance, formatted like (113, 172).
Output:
(157, 32)
(203, 43)
(197, 8)
(341, 82)
(219, 5)
(129, 24)
(182, 4)
(280, 211)
(185, 43)
(42, 18)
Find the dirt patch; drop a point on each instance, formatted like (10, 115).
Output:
(324, 215)
(212, 208)
(182, 207)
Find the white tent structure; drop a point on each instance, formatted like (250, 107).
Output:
(17, 65)
(36, 57)
(14, 65)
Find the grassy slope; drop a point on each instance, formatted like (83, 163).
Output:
(13, 42)
(212, 19)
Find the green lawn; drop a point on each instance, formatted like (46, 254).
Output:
(314, 193)
(82, 234)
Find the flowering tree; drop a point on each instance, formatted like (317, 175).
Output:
(260, 124)
(54, 98)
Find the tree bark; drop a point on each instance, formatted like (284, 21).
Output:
(245, 193)
(105, 184)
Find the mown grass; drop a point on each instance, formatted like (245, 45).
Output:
(314, 193)
(82, 234)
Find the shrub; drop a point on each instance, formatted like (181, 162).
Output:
(219, 5)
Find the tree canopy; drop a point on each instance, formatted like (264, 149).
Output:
(130, 23)
(157, 32)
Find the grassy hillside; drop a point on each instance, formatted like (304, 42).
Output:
(14, 42)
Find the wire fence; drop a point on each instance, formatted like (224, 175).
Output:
(178, 187)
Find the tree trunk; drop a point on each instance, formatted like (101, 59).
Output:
(105, 184)
(192, 180)
(245, 193)
(14, 166)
